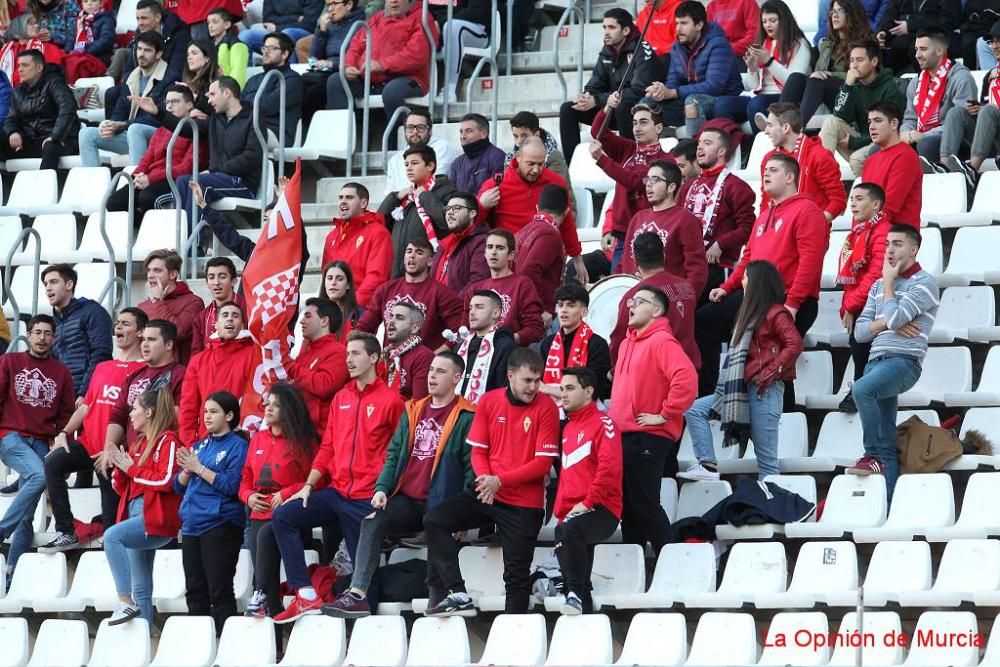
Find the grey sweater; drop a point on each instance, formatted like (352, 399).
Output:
(916, 301)
(960, 87)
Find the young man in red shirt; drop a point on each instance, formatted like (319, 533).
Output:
(360, 238)
(895, 166)
(540, 255)
(589, 499)
(363, 417)
(36, 401)
(514, 439)
(76, 453)
(221, 279)
(320, 370)
(405, 359)
(170, 299)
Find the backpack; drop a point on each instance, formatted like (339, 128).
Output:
(925, 448)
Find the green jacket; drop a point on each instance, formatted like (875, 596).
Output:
(452, 470)
(826, 62)
(853, 102)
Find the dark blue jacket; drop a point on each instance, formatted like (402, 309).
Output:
(286, 13)
(83, 339)
(270, 101)
(471, 169)
(104, 37)
(206, 506)
(710, 68)
(326, 43)
(123, 106)
(6, 90)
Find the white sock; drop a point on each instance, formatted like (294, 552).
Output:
(308, 592)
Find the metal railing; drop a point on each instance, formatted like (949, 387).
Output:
(8, 275)
(113, 279)
(187, 120)
(490, 60)
(265, 182)
(351, 121)
(426, 18)
(387, 134)
(576, 12)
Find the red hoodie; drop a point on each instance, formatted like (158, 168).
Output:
(819, 177)
(154, 161)
(897, 171)
(792, 235)
(653, 375)
(541, 258)
(739, 19)
(366, 245)
(182, 307)
(196, 11)
(222, 366)
(856, 294)
(204, 324)
(36, 395)
(680, 315)
(519, 201)
(683, 245)
(663, 33)
(271, 468)
(356, 437)
(320, 371)
(153, 480)
(591, 463)
(400, 47)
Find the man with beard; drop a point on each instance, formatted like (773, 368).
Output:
(480, 159)
(418, 130)
(359, 237)
(320, 370)
(461, 260)
(442, 308)
(405, 359)
(485, 350)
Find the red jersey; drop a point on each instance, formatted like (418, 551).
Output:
(320, 371)
(541, 258)
(106, 386)
(142, 378)
(683, 244)
(516, 442)
(442, 308)
(591, 463)
(732, 216)
(36, 395)
(271, 468)
(680, 314)
(224, 365)
(897, 171)
(411, 379)
(521, 308)
(819, 177)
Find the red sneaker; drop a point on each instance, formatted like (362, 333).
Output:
(866, 465)
(300, 607)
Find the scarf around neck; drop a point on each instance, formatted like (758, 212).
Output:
(476, 148)
(930, 94)
(425, 219)
(84, 30)
(854, 254)
(449, 245)
(578, 352)
(391, 360)
(479, 375)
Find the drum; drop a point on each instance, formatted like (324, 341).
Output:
(605, 295)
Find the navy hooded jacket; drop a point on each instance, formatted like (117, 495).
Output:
(710, 68)
(83, 339)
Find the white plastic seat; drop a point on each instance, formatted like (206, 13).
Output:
(92, 243)
(126, 21)
(125, 645)
(31, 190)
(801, 485)
(723, 455)
(584, 172)
(948, 652)
(761, 146)
(793, 442)
(10, 228)
(724, 639)
(83, 191)
(681, 568)
(60, 643)
(985, 421)
(821, 568)
(968, 568)
(877, 653)
(92, 283)
(186, 641)
(619, 570)
(516, 639)
(696, 498)
(943, 194)
(894, 568)
(580, 640)
(753, 568)
(93, 586)
(58, 239)
(14, 639)
(377, 641)
(828, 327)
(992, 655)
(987, 391)
(158, 230)
(978, 518)
(963, 310)
(831, 260)
(783, 645)
(852, 502)
(931, 253)
(37, 577)
(168, 582)
(243, 579)
(920, 503)
(482, 569)
(655, 640)
(813, 375)
(246, 641)
(945, 370)
(972, 258)
(437, 642)
(250, 204)
(985, 206)
(320, 142)
(668, 497)
(103, 83)
(316, 641)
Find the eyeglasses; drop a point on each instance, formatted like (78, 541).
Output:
(416, 128)
(837, 11)
(45, 333)
(270, 49)
(653, 180)
(993, 40)
(636, 301)
(455, 208)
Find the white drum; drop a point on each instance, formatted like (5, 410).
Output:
(605, 295)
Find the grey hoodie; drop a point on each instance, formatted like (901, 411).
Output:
(960, 87)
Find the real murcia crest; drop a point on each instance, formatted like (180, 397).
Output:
(527, 424)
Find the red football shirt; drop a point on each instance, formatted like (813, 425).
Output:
(105, 388)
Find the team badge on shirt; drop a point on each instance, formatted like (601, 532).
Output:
(527, 424)
(361, 239)
(34, 388)
(370, 409)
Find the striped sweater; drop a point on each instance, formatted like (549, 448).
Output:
(916, 301)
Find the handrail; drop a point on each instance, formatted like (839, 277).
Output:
(577, 13)
(426, 19)
(357, 25)
(187, 120)
(8, 275)
(192, 242)
(494, 76)
(510, 38)
(449, 59)
(387, 133)
(113, 279)
(262, 138)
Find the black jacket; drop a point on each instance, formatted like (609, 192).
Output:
(284, 14)
(920, 14)
(752, 503)
(610, 70)
(270, 101)
(233, 146)
(598, 358)
(46, 109)
(176, 37)
(410, 226)
(503, 345)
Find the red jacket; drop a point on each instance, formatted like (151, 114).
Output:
(400, 46)
(196, 11)
(222, 366)
(153, 162)
(540, 258)
(734, 214)
(653, 376)
(270, 468)
(856, 294)
(519, 201)
(793, 236)
(897, 170)
(204, 324)
(627, 163)
(320, 371)
(680, 314)
(356, 437)
(739, 19)
(153, 480)
(591, 463)
(683, 244)
(819, 178)
(182, 307)
(366, 245)
(775, 346)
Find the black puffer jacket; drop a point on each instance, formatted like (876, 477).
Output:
(46, 109)
(610, 69)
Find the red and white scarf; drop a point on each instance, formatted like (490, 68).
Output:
(392, 364)
(771, 47)
(854, 255)
(577, 354)
(8, 57)
(479, 375)
(424, 218)
(995, 87)
(709, 212)
(84, 30)
(930, 94)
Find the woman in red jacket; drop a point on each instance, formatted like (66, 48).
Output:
(148, 511)
(276, 467)
(338, 286)
(748, 399)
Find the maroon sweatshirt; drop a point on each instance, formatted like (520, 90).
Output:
(441, 306)
(36, 395)
(522, 309)
(139, 381)
(541, 258)
(683, 302)
(734, 214)
(683, 247)
(415, 366)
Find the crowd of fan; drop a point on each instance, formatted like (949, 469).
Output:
(487, 373)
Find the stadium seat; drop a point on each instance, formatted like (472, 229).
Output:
(377, 641)
(828, 327)
(321, 143)
(931, 253)
(61, 643)
(696, 498)
(84, 190)
(985, 421)
(102, 84)
(93, 586)
(985, 206)
(31, 191)
(802, 485)
(877, 653)
(436, 642)
(784, 646)
(58, 239)
(681, 568)
(14, 639)
(831, 260)
(92, 283)
(125, 645)
(186, 641)
(619, 569)
(37, 577)
(585, 212)
(894, 568)
(972, 258)
(584, 172)
(516, 639)
(945, 370)
(168, 582)
(482, 569)
(761, 146)
(920, 503)
(793, 442)
(92, 243)
(987, 391)
(158, 230)
(940, 650)
(820, 568)
(853, 502)
(250, 204)
(943, 194)
(316, 641)
(246, 641)
(962, 310)
(10, 229)
(991, 657)
(655, 640)
(685, 452)
(724, 639)
(968, 567)
(668, 497)
(813, 375)
(243, 581)
(752, 568)
(581, 640)
(978, 518)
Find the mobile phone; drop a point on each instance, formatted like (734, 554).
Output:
(497, 178)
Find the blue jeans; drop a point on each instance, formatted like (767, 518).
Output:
(130, 554)
(985, 55)
(254, 36)
(740, 108)
(25, 455)
(765, 413)
(215, 186)
(704, 106)
(133, 141)
(876, 394)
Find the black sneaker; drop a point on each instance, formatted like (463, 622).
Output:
(61, 542)
(257, 607)
(455, 604)
(847, 405)
(964, 168)
(931, 167)
(10, 489)
(348, 605)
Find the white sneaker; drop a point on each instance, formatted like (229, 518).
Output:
(698, 473)
(123, 613)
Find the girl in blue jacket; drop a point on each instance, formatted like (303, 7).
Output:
(212, 517)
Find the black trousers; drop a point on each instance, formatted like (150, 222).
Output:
(575, 540)
(646, 459)
(32, 147)
(809, 93)
(145, 199)
(266, 561)
(518, 528)
(570, 121)
(209, 567)
(58, 465)
(898, 53)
